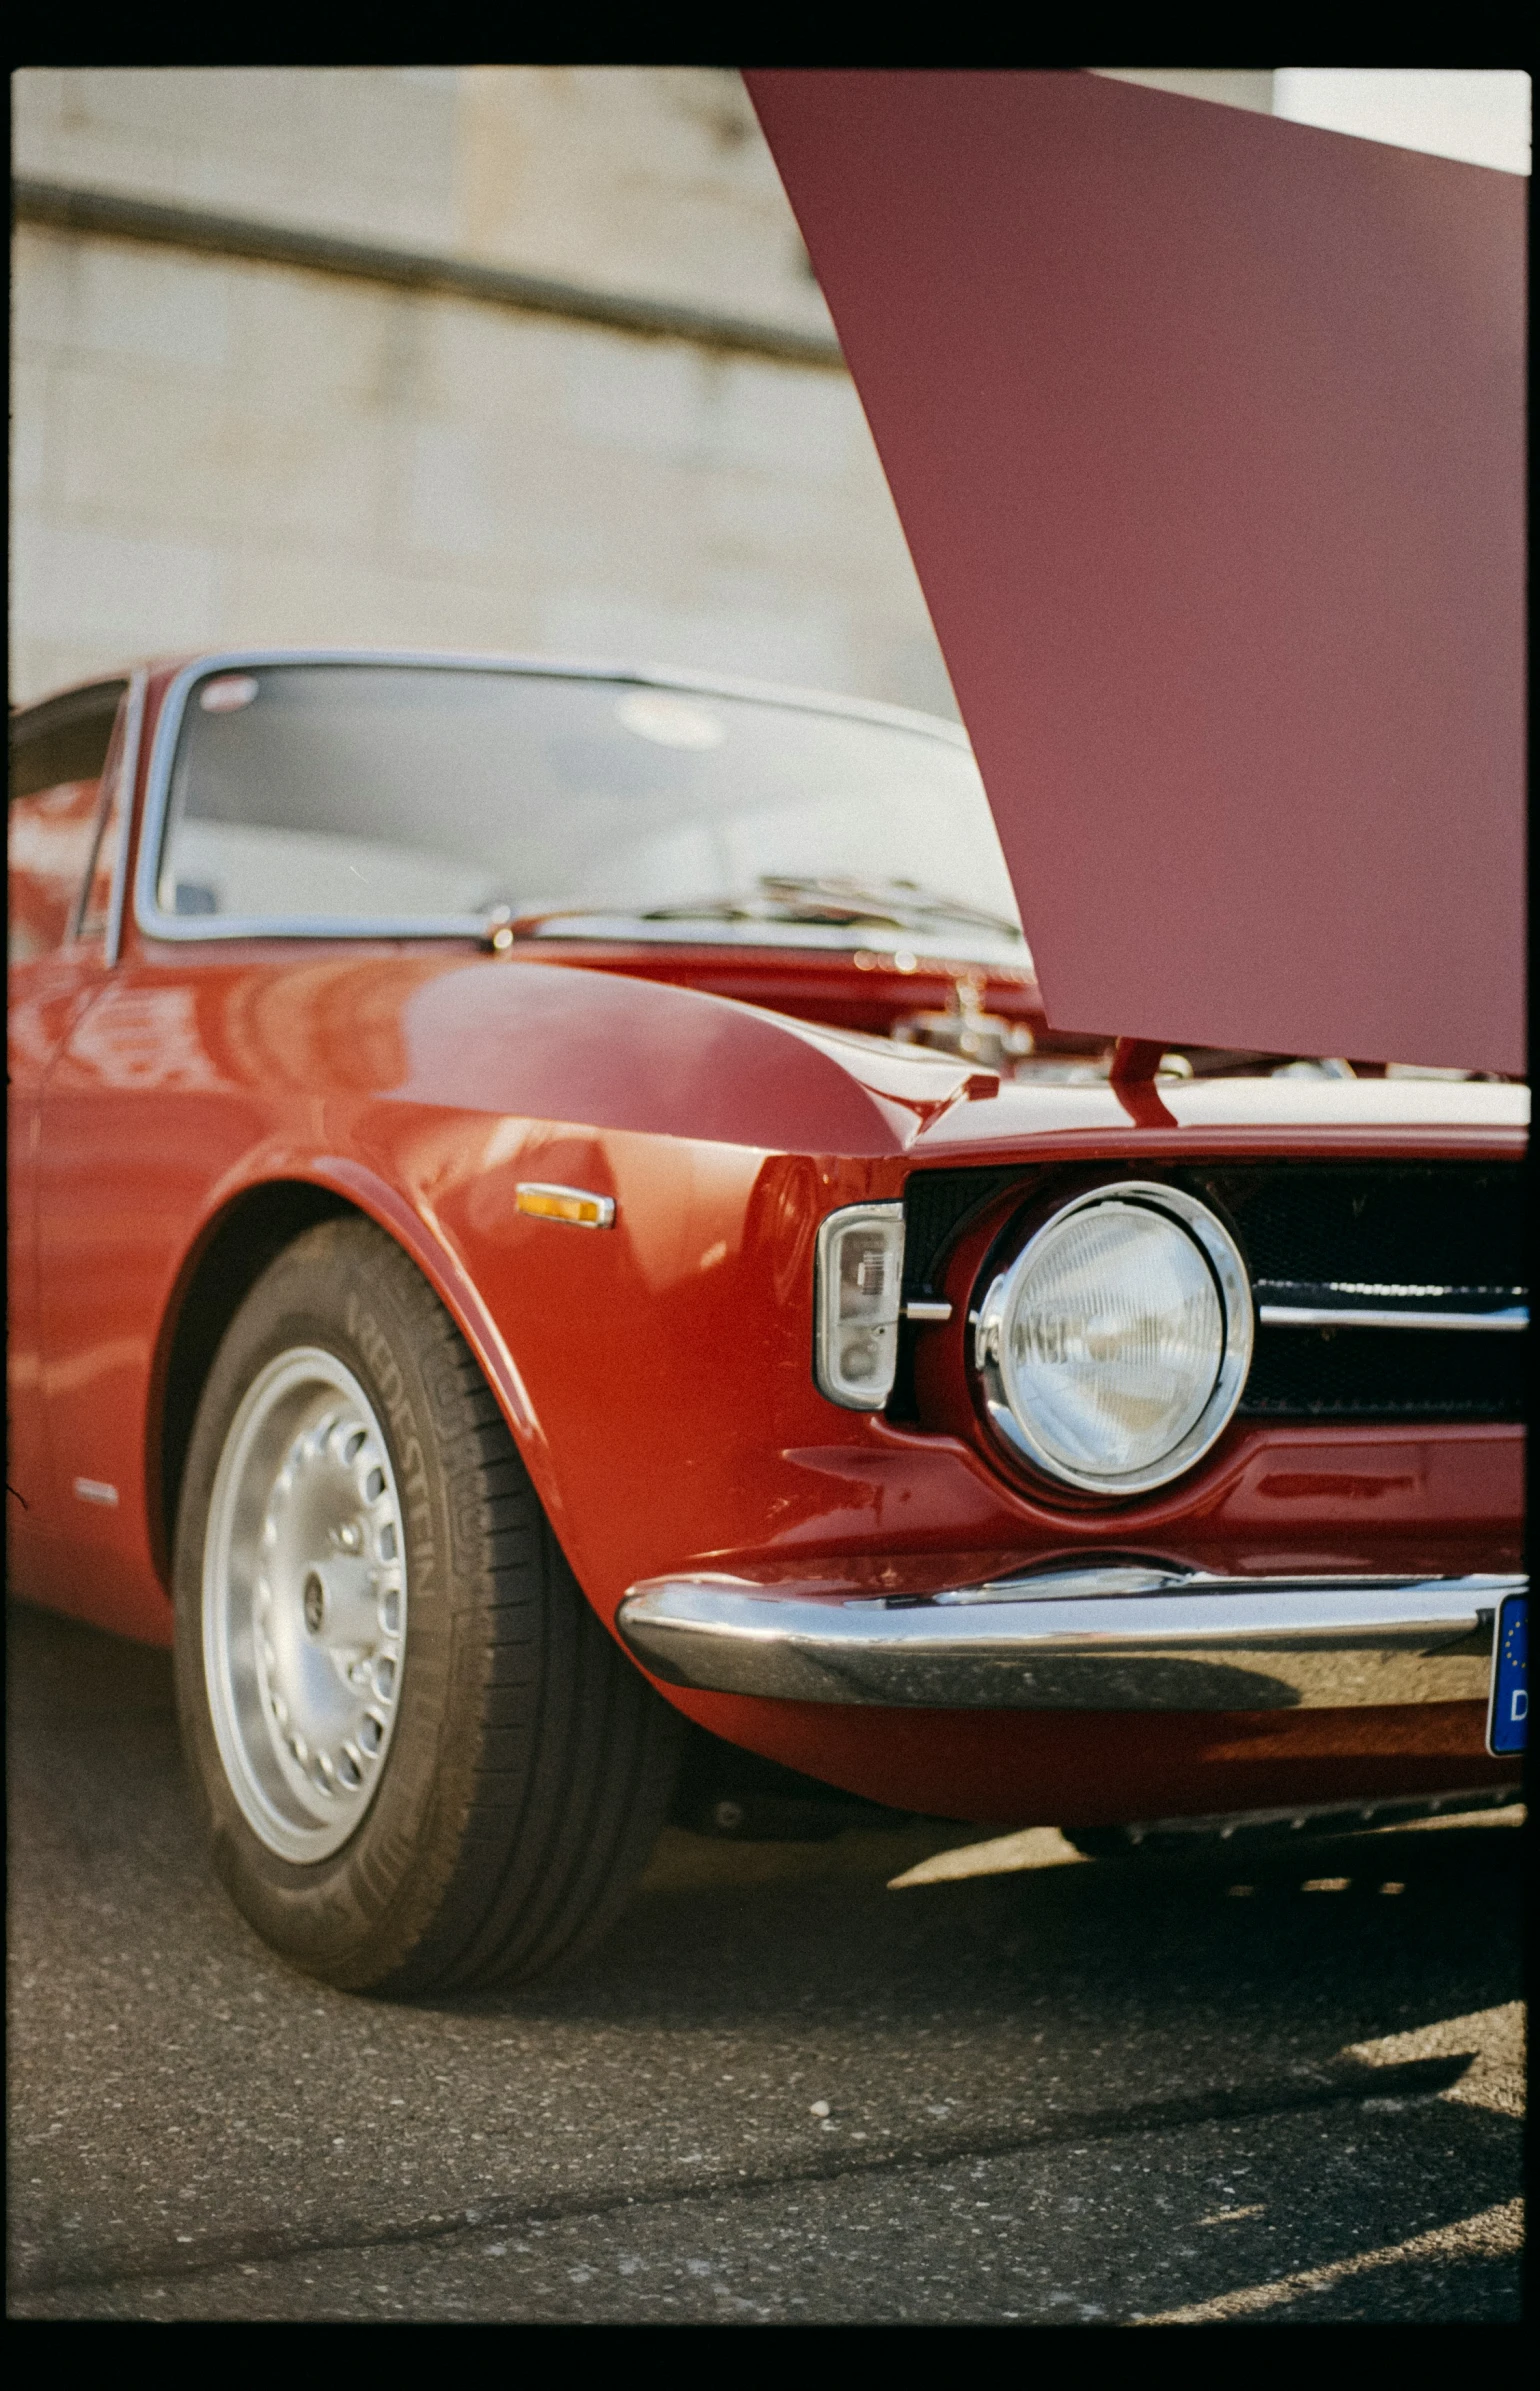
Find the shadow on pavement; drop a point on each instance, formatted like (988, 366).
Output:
(1156, 2065)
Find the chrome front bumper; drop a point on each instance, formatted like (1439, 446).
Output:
(1116, 1637)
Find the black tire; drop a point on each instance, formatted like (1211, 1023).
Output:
(531, 1764)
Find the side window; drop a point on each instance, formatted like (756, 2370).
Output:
(59, 754)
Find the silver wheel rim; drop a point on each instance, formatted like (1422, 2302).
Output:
(304, 1605)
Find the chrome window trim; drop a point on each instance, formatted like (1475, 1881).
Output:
(1234, 1286)
(1301, 1315)
(128, 778)
(198, 928)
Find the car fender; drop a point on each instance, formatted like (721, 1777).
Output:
(419, 1087)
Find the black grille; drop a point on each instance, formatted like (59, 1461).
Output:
(1308, 1226)
(937, 1204)
(1384, 1374)
(1452, 1224)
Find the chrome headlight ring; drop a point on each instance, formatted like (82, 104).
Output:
(1023, 1427)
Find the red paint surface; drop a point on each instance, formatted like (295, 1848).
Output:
(1206, 432)
(657, 1377)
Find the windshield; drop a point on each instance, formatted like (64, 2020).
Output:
(579, 807)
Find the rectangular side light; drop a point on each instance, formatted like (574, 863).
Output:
(858, 1275)
(574, 1204)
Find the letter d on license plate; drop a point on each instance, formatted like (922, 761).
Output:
(1508, 1710)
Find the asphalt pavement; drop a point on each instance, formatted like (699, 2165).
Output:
(1243, 2088)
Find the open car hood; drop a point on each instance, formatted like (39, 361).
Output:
(1206, 433)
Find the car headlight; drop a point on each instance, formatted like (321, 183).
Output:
(1114, 1349)
(859, 1275)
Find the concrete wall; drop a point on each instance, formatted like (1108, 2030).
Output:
(650, 179)
(211, 449)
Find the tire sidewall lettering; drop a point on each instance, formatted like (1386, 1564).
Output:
(411, 1468)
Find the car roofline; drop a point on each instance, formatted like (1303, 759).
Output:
(199, 661)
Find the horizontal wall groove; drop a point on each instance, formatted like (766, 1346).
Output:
(118, 215)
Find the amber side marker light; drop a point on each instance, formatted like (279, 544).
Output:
(573, 1204)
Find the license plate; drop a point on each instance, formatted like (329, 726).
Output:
(1508, 1710)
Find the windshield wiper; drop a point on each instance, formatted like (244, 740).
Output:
(897, 897)
(837, 901)
(830, 900)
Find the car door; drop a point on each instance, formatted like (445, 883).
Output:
(70, 759)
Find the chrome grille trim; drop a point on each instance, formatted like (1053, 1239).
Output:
(1299, 1315)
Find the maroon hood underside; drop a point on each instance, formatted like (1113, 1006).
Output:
(1206, 432)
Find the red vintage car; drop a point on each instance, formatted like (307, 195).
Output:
(545, 1207)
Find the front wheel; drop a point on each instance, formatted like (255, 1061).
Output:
(423, 1763)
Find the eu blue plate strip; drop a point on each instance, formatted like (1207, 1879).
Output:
(1508, 1714)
